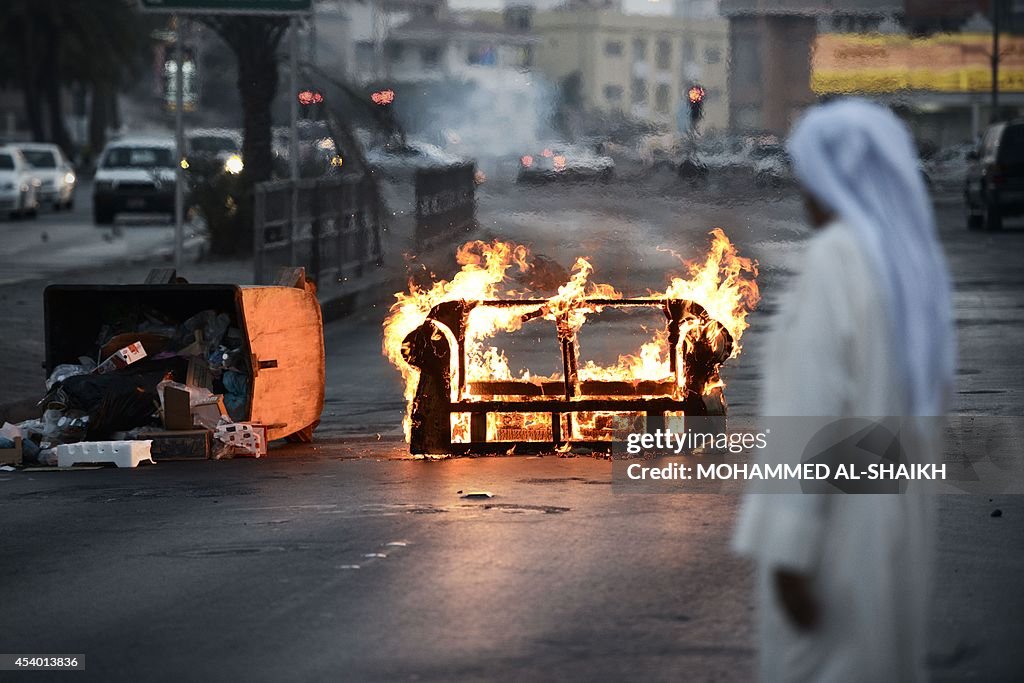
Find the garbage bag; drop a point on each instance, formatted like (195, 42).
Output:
(114, 402)
(236, 391)
(210, 324)
(65, 370)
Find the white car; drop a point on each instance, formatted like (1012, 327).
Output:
(54, 171)
(18, 185)
(134, 175)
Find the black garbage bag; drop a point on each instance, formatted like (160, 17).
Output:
(122, 400)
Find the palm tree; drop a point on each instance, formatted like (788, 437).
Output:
(46, 45)
(255, 41)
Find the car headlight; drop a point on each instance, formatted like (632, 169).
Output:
(69, 178)
(24, 187)
(233, 164)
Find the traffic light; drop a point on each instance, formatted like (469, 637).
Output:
(695, 95)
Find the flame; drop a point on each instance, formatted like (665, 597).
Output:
(724, 283)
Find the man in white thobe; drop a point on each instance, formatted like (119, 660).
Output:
(843, 580)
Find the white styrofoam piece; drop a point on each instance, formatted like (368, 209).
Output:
(121, 453)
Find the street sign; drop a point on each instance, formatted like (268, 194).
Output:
(228, 6)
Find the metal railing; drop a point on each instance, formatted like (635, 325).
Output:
(445, 203)
(330, 226)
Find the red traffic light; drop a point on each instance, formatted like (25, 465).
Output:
(383, 97)
(307, 97)
(695, 94)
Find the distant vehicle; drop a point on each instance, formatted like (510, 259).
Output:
(222, 144)
(994, 183)
(134, 175)
(397, 158)
(770, 165)
(54, 171)
(561, 162)
(19, 185)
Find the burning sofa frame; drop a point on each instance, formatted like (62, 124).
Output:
(700, 342)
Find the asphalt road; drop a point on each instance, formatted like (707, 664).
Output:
(346, 560)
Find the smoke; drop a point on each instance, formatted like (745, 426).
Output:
(490, 116)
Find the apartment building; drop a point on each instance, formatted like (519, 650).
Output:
(637, 64)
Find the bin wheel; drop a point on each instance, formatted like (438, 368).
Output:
(304, 435)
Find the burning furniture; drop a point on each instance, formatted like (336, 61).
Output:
(464, 398)
(702, 344)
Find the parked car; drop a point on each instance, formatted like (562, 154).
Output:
(396, 158)
(19, 186)
(565, 162)
(994, 185)
(134, 175)
(54, 171)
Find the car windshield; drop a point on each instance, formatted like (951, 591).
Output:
(138, 157)
(6, 162)
(40, 158)
(212, 144)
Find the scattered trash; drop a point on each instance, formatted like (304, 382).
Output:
(241, 438)
(62, 372)
(477, 494)
(121, 359)
(997, 513)
(10, 450)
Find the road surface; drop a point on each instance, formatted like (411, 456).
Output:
(347, 560)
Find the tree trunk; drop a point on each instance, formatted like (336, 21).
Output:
(28, 79)
(98, 110)
(257, 85)
(50, 73)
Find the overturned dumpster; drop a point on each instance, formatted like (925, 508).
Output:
(115, 352)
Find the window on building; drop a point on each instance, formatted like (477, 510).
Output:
(430, 56)
(663, 54)
(639, 50)
(638, 91)
(613, 48)
(661, 95)
(712, 55)
(482, 54)
(688, 51)
(613, 93)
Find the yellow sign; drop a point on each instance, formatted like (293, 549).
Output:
(844, 63)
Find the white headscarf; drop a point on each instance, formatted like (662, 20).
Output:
(858, 160)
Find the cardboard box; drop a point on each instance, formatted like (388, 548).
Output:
(121, 359)
(181, 415)
(193, 444)
(11, 456)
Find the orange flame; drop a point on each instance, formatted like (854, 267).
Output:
(723, 283)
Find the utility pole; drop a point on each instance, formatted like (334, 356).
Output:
(179, 139)
(994, 114)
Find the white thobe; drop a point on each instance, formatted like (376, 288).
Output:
(869, 556)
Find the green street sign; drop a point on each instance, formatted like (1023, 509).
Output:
(228, 6)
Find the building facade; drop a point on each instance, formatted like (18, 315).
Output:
(639, 65)
(770, 70)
